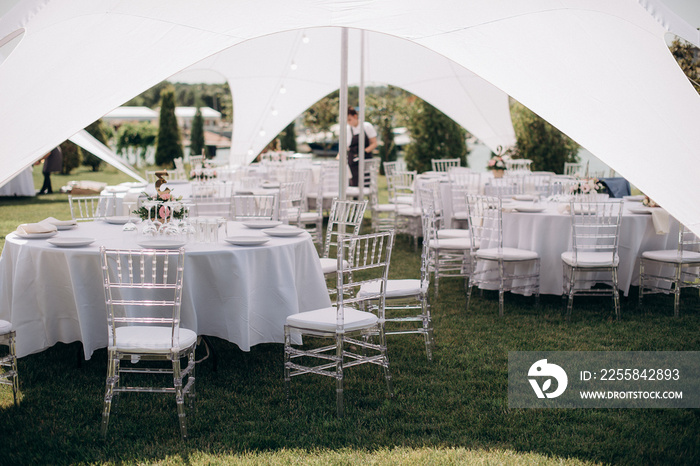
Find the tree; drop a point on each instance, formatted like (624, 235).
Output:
(136, 136)
(685, 54)
(322, 115)
(72, 155)
(433, 136)
(385, 110)
(288, 138)
(96, 130)
(168, 144)
(537, 140)
(197, 135)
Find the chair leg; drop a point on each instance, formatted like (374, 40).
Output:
(192, 394)
(616, 294)
(469, 291)
(179, 398)
(339, 375)
(13, 368)
(385, 364)
(570, 304)
(641, 281)
(501, 287)
(287, 361)
(109, 392)
(427, 327)
(677, 291)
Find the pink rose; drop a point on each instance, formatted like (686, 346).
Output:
(163, 212)
(164, 195)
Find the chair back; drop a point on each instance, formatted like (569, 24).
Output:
(595, 227)
(485, 221)
(687, 241)
(211, 199)
(400, 184)
(537, 183)
(292, 201)
(443, 165)
(390, 168)
(518, 165)
(362, 260)
(345, 219)
(254, 207)
(88, 208)
(573, 169)
(143, 288)
(504, 187)
(430, 199)
(196, 161)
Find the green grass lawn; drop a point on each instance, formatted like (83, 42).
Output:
(453, 410)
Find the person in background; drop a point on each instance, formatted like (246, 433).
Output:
(53, 162)
(354, 143)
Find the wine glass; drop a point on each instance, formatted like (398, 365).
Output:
(149, 226)
(129, 226)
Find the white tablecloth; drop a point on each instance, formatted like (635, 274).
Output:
(241, 294)
(20, 185)
(549, 234)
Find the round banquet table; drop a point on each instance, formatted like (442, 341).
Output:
(549, 234)
(242, 294)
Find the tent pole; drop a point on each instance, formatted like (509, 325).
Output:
(361, 149)
(343, 113)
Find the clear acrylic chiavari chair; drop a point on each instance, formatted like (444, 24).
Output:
(443, 165)
(254, 207)
(496, 266)
(143, 293)
(595, 234)
(345, 219)
(89, 208)
(9, 375)
(346, 323)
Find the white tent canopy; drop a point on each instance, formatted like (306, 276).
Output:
(599, 70)
(89, 143)
(305, 64)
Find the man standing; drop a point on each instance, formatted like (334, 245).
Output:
(53, 162)
(354, 143)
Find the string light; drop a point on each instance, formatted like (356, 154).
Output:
(293, 66)
(262, 132)
(250, 151)
(283, 90)
(305, 39)
(274, 111)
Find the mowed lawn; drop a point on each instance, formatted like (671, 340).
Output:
(451, 410)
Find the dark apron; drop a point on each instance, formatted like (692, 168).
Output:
(353, 160)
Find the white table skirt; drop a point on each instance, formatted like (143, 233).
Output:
(549, 234)
(240, 294)
(20, 185)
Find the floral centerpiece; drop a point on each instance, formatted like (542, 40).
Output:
(203, 172)
(497, 162)
(648, 202)
(162, 207)
(587, 186)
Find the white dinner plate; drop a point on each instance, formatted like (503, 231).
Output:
(259, 224)
(284, 232)
(524, 197)
(117, 219)
(36, 235)
(246, 240)
(636, 198)
(66, 227)
(161, 243)
(71, 242)
(529, 208)
(177, 182)
(640, 210)
(269, 185)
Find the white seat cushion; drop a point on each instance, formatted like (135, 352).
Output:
(589, 259)
(671, 255)
(330, 265)
(150, 339)
(452, 233)
(394, 288)
(5, 327)
(462, 244)
(463, 215)
(508, 254)
(309, 216)
(410, 211)
(384, 207)
(403, 200)
(325, 319)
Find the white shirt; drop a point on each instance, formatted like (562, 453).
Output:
(370, 132)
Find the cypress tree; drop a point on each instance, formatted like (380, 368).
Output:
(288, 138)
(434, 135)
(97, 130)
(168, 144)
(197, 136)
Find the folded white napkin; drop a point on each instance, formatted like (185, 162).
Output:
(34, 228)
(661, 220)
(564, 208)
(60, 223)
